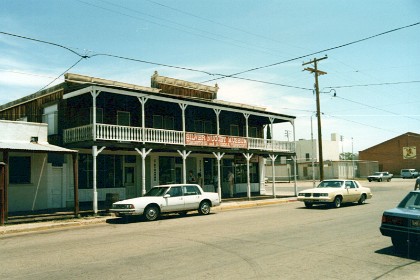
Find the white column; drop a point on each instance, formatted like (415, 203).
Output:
(217, 111)
(295, 157)
(273, 158)
(183, 107)
(184, 156)
(143, 154)
(248, 156)
(94, 94)
(246, 124)
(143, 101)
(219, 156)
(95, 153)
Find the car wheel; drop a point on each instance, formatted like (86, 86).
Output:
(204, 208)
(151, 213)
(337, 202)
(399, 244)
(362, 199)
(308, 205)
(369, 180)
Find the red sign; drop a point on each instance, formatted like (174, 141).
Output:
(211, 140)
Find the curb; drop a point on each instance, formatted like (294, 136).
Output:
(41, 226)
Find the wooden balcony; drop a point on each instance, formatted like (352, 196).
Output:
(109, 132)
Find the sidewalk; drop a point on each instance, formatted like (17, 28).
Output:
(90, 220)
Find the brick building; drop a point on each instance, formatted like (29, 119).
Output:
(395, 154)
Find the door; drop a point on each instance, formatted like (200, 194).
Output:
(192, 197)
(129, 180)
(175, 202)
(56, 188)
(353, 193)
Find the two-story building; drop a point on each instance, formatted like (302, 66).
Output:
(132, 137)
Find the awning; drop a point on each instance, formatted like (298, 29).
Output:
(33, 147)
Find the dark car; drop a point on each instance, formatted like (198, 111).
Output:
(402, 223)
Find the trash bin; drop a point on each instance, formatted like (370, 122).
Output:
(111, 198)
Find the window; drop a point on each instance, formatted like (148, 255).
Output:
(99, 115)
(50, 117)
(20, 170)
(123, 118)
(175, 191)
(109, 171)
(307, 157)
(253, 132)
(234, 130)
(203, 126)
(191, 190)
(163, 122)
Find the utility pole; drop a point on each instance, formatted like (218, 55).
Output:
(318, 109)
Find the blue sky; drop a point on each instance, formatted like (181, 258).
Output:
(229, 36)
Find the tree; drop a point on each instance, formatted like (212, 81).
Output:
(349, 156)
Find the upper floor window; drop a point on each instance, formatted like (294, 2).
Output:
(307, 157)
(253, 132)
(50, 117)
(99, 115)
(163, 122)
(123, 118)
(203, 126)
(234, 130)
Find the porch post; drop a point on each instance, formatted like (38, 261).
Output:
(217, 111)
(219, 156)
(248, 156)
(246, 124)
(272, 132)
(183, 107)
(76, 183)
(143, 101)
(143, 154)
(2, 198)
(273, 158)
(95, 153)
(6, 185)
(94, 94)
(184, 156)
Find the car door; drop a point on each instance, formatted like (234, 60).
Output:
(353, 191)
(175, 201)
(192, 197)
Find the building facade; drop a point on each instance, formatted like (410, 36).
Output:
(131, 138)
(39, 175)
(396, 153)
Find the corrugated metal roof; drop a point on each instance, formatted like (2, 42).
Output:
(33, 147)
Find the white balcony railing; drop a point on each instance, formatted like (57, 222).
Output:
(162, 136)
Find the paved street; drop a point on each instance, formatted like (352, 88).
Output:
(278, 241)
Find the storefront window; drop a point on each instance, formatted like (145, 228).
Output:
(170, 170)
(109, 171)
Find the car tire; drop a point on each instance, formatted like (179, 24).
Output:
(369, 180)
(399, 244)
(151, 213)
(362, 199)
(308, 205)
(337, 202)
(204, 208)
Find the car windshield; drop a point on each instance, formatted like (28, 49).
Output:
(157, 191)
(411, 201)
(330, 184)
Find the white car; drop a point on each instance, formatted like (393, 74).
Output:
(176, 198)
(335, 192)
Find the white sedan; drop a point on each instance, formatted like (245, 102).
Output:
(176, 198)
(335, 192)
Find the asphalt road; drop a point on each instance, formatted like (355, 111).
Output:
(284, 241)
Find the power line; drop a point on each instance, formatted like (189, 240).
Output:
(326, 50)
(378, 84)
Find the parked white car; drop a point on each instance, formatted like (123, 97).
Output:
(176, 198)
(335, 192)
